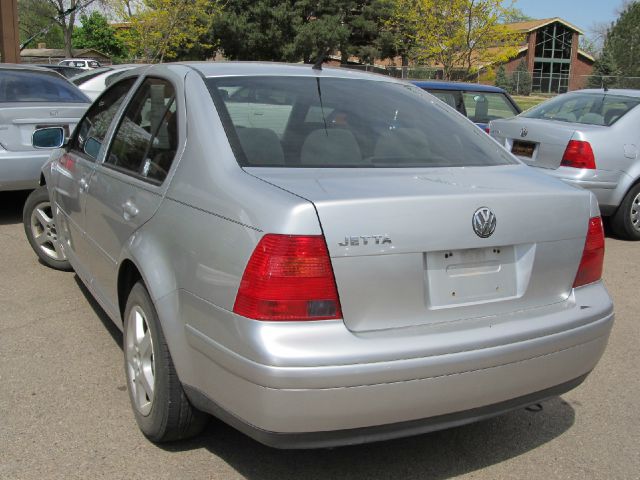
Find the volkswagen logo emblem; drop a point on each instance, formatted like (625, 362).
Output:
(524, 132)
(484, 222)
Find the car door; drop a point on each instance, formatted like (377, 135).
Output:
(75, 168)
(126, 187)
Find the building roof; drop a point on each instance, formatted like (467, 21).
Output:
(60, 53)
(531, 25)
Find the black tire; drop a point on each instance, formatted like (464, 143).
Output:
(42, 235)
(622, 222)
(170, 415)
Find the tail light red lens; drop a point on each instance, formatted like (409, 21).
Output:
(578, 154)
(289, 277)
(590, 269)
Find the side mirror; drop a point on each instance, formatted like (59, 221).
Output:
(50, 137)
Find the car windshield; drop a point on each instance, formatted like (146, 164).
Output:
(586, 108)
(26, 86)
(336, 122)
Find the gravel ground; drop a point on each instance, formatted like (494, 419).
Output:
(64, 410)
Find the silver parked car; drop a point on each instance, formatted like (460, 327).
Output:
(588, 138)
(319, 257)
(31, 98)
(93, 82)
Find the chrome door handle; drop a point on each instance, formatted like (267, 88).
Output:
(84, 185)
(129, 210)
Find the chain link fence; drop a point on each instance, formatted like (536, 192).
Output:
(516, 83)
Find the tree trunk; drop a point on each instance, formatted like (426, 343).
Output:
(405, 66)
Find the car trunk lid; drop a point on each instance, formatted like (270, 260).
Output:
(404, 251)
(538, 143)
(18, 122)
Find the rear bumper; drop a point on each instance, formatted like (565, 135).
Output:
(330, 391)
(603, 183)
(21, 170)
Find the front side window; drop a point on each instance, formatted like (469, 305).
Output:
(25, 86)
(146, 140)
(91, 131)
(585, 108)
(334, 122)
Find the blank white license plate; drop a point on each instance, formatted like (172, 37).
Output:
(475, 275)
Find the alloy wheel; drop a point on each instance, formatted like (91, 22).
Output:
(44, 232)
(140, 360)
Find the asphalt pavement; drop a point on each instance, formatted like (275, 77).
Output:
(65, 414)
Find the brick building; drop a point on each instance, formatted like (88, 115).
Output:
(552, 54)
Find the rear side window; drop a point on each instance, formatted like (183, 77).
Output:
(146, 140)
(586, 108)
(483, 107)
(25, 86)
(91, 131)
(450, 98)
(310, 122)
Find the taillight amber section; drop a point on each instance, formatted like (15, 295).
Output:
(590, 269)
(289, 278)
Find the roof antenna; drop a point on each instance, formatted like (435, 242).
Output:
(322, 54)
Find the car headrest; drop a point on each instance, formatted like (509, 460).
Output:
(261, 146)
(332, 146)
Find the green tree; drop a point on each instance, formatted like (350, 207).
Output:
(605, 72)
(463, 34)
(36, 25)
(294, 31)
(521, 81)
(160, 29)
(402, 28)
(515, 15)
(502, 80)
(621, 50)
(96, 32)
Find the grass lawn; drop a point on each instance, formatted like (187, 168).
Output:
(528, 102)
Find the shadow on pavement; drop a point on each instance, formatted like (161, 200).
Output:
(11, 204)
(438, 455)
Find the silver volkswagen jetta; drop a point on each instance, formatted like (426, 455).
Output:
(319, 257)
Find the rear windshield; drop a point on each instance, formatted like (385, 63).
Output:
(25, 86)
(87, 75)
(585, 108)
(333, 122)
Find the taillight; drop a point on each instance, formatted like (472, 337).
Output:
(590, 269)
(289, 277)
(66, 161)
(488, 130)
(578, 154)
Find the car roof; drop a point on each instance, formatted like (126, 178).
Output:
(625, 92)
(26, 66)
(224, 69)
(467, 87)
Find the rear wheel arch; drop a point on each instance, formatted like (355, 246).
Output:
(128, 276)
(43, 181)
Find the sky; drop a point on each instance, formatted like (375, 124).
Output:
(581, 13)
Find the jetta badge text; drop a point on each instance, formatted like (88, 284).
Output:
(484, 222)
(355, 241)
